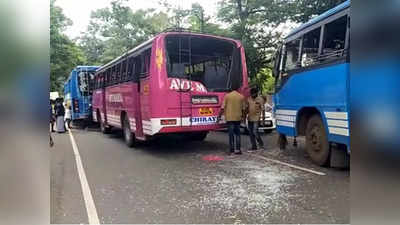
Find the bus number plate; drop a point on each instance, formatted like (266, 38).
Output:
(205, 111)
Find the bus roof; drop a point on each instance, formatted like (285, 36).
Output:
(164, 34)
(321, 17)
(80, 68)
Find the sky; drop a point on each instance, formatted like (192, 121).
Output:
(79, 10)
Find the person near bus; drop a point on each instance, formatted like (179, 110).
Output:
(233, 109)
(52, 120)
(254, 109)
(68, 116)
(60, 112)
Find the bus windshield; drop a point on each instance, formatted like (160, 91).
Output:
(214, 62)
(84, 78)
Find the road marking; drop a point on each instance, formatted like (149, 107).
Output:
(87, 195)
(289, 165)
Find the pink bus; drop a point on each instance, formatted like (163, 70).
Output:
(173, 83)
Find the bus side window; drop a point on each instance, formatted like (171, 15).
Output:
(102, 79)
(138, 67)
(108, 77)
(123, 73)
(131, 72)
(292, 55)
(334, 39)
(113, 75)
(145, 63)
(309, 55)
(118, 73)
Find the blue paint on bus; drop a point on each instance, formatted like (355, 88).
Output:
(313, 75)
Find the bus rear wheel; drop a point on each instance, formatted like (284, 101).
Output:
(129, 137)
(317, 144)
(104, 129)
(200, 136)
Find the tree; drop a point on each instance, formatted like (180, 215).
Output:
(64, 53)
(303, 10)
(255, 22)
(114, 30)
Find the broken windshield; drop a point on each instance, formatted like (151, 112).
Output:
(213, 62)
(84, 78)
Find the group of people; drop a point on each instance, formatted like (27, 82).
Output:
(59, 115)
(236, 109)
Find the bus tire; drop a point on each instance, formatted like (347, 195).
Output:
(200, 136)
(282, 141)
(129, 137)
(317, 144)
(104, 129)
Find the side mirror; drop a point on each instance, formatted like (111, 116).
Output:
(277, 60)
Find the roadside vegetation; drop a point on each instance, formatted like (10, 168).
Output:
(259, 24)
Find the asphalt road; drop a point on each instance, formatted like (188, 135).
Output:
(176, 181)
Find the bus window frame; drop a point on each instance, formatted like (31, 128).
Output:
(118, 72)
(145, 63)
(113, 73)
(283, 74)
(124, 68)
(321, 24)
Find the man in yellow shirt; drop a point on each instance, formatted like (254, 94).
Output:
(233, 108)
(255, 111)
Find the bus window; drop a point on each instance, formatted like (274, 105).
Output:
(292, 55)
(309, 55)
(213, 62)
(334, 39)
(131, 65)
(123, 73)
(118, 73)
(108, 77)
(113, 75)
(138, 67)
(145, 64)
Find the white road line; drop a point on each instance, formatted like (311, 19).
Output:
(289, 165)
(87, 195)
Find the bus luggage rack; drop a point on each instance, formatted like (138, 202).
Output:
(180, 29)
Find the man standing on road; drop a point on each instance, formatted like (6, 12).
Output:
(233, 108)
(254, 106)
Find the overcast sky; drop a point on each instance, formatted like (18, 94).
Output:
(79, 10)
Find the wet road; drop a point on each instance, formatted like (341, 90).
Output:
(176, 181)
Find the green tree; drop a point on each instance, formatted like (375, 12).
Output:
(303, 10)
(255, 22)
(64, 53)
(114, 30)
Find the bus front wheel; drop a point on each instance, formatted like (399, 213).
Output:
(317, 144)
(129, 137)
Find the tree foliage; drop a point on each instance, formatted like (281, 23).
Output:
(64, 53)
(303, 10)
(115, 29)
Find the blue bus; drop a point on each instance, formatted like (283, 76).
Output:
(77, 92)
(312, 86)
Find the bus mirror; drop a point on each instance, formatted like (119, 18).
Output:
(277, 59)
